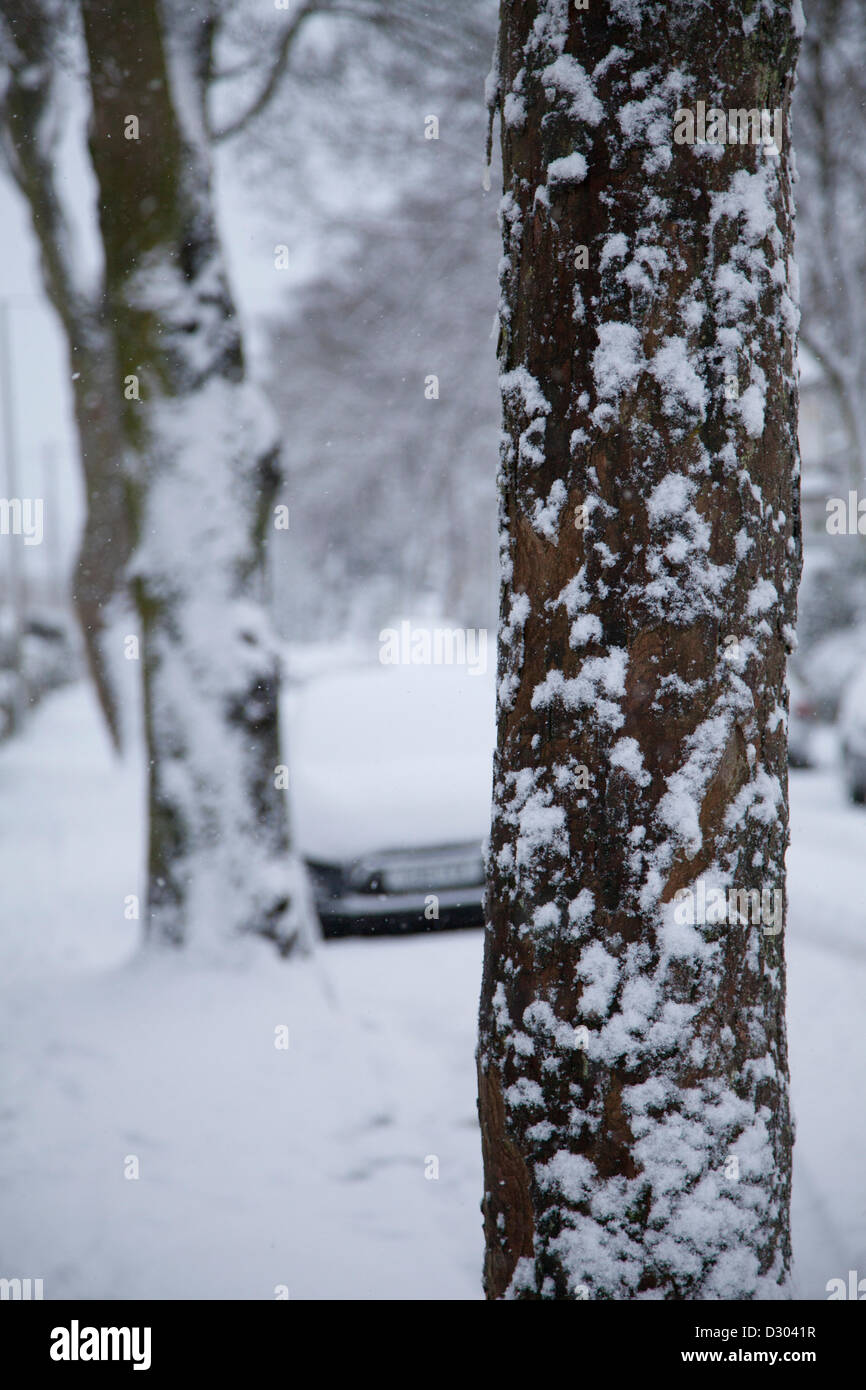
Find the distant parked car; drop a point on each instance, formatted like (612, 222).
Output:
(852, 736)
(48, 654)
(832, 663)
(802, 714)
(40, 658)
(390, 771)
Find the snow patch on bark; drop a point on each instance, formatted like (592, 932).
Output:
(565, 75)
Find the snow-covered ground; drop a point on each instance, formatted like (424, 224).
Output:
(308, 1166)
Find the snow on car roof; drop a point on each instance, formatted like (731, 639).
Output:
(391, 758)
(395, 709)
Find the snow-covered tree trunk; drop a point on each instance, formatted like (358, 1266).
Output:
(632, 1056)
(201, 471)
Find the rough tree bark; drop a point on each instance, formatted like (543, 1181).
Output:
(632, 1064)
(201, 468)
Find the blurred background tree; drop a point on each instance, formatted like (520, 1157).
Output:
(382, 364)
(829, 113)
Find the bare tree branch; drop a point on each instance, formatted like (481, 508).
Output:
(275, 75)
(425, 32)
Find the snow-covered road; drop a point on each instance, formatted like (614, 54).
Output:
(311, 1167)
(827, 1029)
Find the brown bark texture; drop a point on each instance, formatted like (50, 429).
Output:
(632, 1055)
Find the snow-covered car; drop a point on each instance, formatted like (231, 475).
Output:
(852, 736)
(802, 714)
(832, 663)
(42, 658)
(390, 778)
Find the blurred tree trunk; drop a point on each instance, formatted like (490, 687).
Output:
(632, 1064)
(32, 126)
(202, 469)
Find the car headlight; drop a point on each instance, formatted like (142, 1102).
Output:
(329, 880)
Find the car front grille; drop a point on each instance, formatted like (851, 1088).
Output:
(423, 873)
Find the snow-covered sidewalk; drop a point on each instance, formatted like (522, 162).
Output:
(309, 1166)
